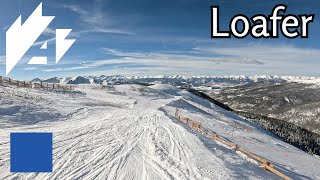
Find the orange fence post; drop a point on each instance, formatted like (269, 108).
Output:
(271, 169)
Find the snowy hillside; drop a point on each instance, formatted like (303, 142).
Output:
(302, 79)
(129, 132)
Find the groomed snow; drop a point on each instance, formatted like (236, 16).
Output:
(128, 132)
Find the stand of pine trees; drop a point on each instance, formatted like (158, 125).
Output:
(291, 133)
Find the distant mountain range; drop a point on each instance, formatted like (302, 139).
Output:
(177, 80)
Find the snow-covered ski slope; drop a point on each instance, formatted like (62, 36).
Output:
(129, 132)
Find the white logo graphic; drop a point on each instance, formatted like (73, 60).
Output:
(19, 39)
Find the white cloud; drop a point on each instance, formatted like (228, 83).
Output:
(280, 60)
(265, 53)
(29, 69)
(95, 20)
(157, 61)
(180, 57)
(40, 43)
(49, 32)
(2, 60)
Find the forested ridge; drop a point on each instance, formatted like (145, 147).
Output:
(288, 132)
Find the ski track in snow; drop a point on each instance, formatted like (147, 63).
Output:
(126, 133)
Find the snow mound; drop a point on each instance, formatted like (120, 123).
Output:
(36, 80)
(52, 80)
(169, 89)
(80, 80)
(302, 79)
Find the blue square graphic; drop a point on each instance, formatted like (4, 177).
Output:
(31, 152)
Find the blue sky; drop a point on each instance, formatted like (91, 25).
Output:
(169, 37)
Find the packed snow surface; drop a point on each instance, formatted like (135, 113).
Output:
(129, 132)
